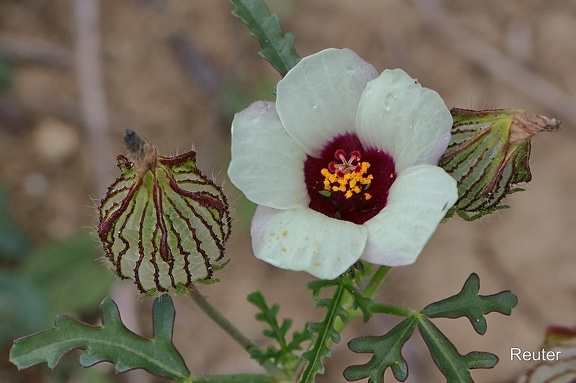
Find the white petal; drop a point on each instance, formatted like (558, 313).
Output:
(411, 123)
(305, 240)
(417, 202)
(267, 165)
(318, 99)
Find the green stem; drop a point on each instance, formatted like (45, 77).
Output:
(323, 341)
(374, 283)
(213, 313)
(237, 378)
(382, 308)
(222, 322)
(371, 289)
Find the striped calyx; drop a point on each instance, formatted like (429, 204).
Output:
(162, 223)
(488, 155)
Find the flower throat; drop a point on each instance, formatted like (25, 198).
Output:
(347, 181)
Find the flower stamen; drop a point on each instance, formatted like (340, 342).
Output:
(347, 176)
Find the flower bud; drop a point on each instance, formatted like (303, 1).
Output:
(488, 155)
(162, 223)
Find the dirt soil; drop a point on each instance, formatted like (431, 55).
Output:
(176, 71)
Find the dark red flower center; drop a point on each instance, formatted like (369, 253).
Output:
(348, 181)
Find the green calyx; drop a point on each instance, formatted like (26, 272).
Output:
(162, 223)
(488, 155)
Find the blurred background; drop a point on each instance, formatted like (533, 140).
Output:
(75, 74)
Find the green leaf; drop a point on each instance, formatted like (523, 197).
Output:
(325, 331)
(387, 350)
(69, 272)
(24, 307)
(360, 302)
(454, 367)
(13, 240)
(277, 48)
(111, 342)
(6, 76)
(471, 305)
(278, 332)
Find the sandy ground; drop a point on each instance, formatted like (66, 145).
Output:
(529, 248)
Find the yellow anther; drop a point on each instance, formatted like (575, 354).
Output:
(348, 183)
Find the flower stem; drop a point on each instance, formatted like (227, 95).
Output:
(213, 313)
(222, 322)
(236, 378)
(376, 280)
(371, 289)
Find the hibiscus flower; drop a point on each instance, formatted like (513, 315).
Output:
(343, 166)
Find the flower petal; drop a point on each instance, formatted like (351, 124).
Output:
(305, 240)
(267, 165)
(417, 202)
(318, 99)
(411, 123)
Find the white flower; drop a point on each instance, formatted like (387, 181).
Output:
(343, 166)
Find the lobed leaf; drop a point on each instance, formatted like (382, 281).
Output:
(111, 342)
(452, 365)
(277, 48)
(471, 305)
(360, 302)
(387, 352)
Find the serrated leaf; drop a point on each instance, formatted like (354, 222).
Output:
(387, 353)
(471, 305)
(325, 332)
(111, 342)
(454, 367)
(283, 355)
(277, 48)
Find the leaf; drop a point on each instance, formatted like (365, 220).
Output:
(111, 342)
(454, 367)
(471, 305)
(13, 240)
(69, 273)
(24, 307)
(387, 352)
(326, 334)
(277, 48)
(278, 332)
(360, 302)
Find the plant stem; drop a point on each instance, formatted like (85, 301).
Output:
(382, 308)
(222, 322)
(371, 289)
(376, 280)
(213, 313)
(236, 378)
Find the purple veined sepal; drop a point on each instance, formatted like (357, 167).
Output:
(489, 155)
(163, 224)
